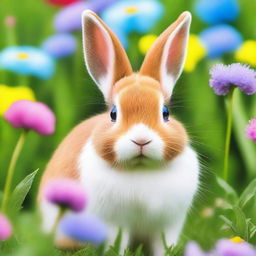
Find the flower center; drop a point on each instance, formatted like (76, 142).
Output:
(237, 239)
(22, 56)
(131, 9)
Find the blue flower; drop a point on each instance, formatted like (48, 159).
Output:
(220, 39)
(217, 11)
(83, 228)
(60, 45)
(27, 60)
(128, 16)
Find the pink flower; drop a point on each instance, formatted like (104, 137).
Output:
(5, 228)
(31, 115)
(251, 130)
(66, 193)
(10, 21)
(61, 2)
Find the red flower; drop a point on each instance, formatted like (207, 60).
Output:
(61, 2)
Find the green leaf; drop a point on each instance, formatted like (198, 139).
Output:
(87, 251)
(229, 223)
(20, 192)
(241, 222)
(111, 252)
(248, 194)
(118, 240)
(252, 229)
(230, 192)
(138, 251)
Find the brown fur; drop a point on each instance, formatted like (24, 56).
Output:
(63, 163)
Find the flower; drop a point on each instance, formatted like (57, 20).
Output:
(220, 39)
(223, 77)
(8, 95)
(145, 42)
(193, 249)
(128, 16)
(27, 60)
(217, 11)
(207, 212)
(28, 115)
(10, 21)
(226, 247)
(196, 51)
(66, 193)
(251, 130)
(61, 2)
(5, 228)
(60, 45)
(83, 228)
(247, 52)
(69, 18)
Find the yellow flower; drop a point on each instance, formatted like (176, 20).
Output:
(196, 51)
(247, 52)
(237, 239)
(8, 95)
(145, 42)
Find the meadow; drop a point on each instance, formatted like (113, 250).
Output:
(225, 203)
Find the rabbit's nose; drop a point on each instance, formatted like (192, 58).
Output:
(141, 142)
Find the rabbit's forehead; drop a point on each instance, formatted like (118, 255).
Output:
(138, 103)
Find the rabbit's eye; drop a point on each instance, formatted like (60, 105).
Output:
(113, 114)
(165, 114)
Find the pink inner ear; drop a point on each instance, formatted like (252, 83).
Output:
(101, 47)
(97, 51)
(176, 52)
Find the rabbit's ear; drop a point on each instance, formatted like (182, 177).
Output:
(105, 57)
(165, 59)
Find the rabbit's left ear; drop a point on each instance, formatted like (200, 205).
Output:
(105, 57)
(166, 57)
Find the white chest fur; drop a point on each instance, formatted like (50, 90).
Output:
(153, 200)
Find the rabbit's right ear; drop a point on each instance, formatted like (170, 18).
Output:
(165, 59)
(105, 58)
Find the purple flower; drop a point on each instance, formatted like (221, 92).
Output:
(83, 228)
(223, 77)
(5, 228)
(251, 130)
(226, 247)
(66, 193)
(31, 115)
(69, 18)
(193, 249)
(60, 45)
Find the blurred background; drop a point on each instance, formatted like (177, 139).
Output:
(221, 32)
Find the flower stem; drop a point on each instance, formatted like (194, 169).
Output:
(228, 133)
(11, 168)
(59, 217)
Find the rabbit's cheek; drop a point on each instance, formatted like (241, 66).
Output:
(126, 147)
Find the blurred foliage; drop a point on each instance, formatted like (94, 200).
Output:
(73, 97)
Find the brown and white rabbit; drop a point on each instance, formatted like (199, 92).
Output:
(134, 160)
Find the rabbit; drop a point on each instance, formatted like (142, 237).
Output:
(134, 160)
